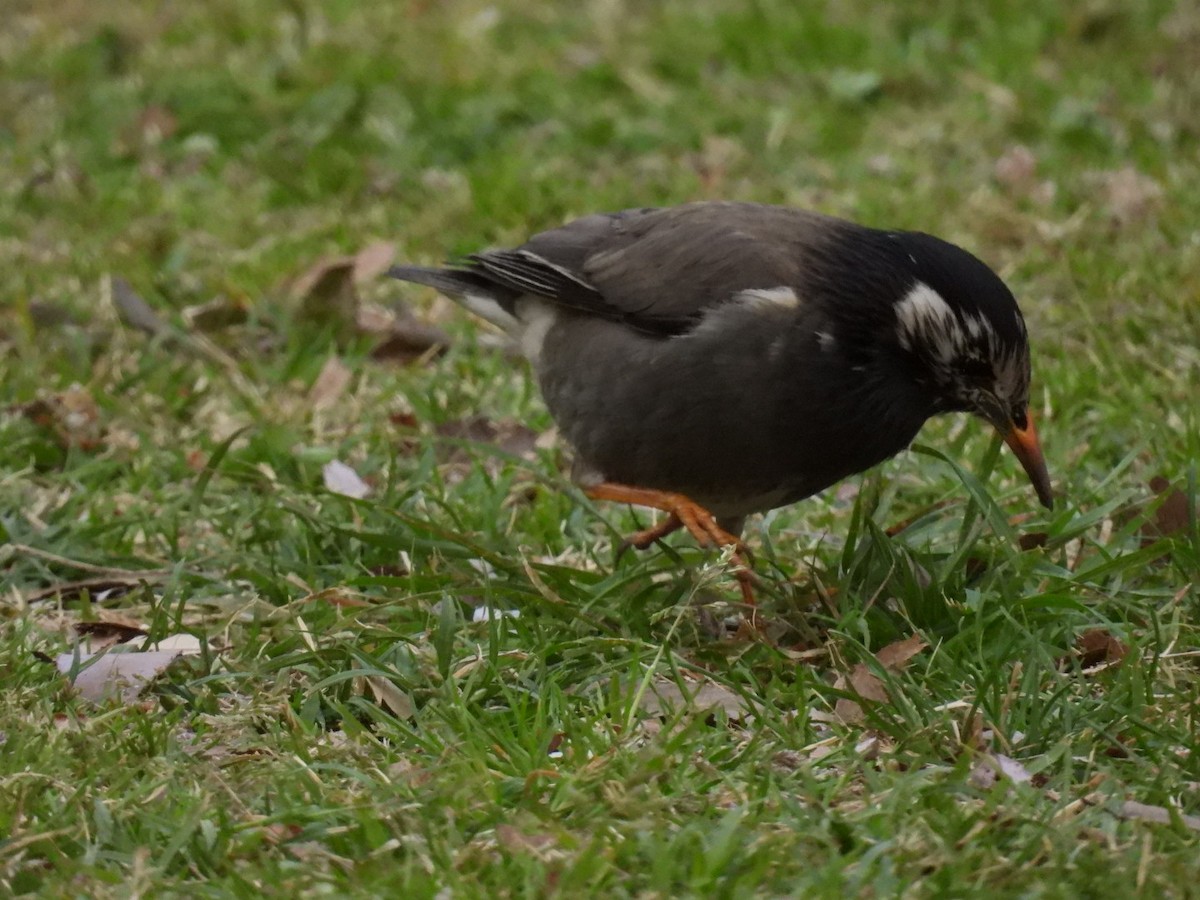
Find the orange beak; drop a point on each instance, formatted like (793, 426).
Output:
(1024, 443)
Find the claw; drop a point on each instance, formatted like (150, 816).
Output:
(640, 540)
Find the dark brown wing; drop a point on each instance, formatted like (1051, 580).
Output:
(660, 269)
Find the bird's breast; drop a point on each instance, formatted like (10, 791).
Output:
(741, 419)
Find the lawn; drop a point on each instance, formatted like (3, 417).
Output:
(407, 658)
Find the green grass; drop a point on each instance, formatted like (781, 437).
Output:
(531, 763)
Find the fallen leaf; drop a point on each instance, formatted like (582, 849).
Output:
(51, 314)
(326, 295)
(278, 832)
(217, 313)
(133, 310)
(196, 459)
(509, 436)
(339, 597)
(157, 123)
(183, 644)
(110, 673)
(104, 634)
(983, 776)
(1032, 540)
(373, 260)
(665, 697)
(327, 292)
(389, 696)
(1097, 647)
(106, 587)
(991, 767)
(853, 86)
(513, 839)
(486, 613)
(1172, 515)
(1144, 812)
(331, 383)
(409, 340)
(1131, 195)
(895, 656)
(866, 685)
(1016, 168)
(71, 417)
(374, 319)
(341, 479)
(153, 125)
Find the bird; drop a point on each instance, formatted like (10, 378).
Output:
(717, 359)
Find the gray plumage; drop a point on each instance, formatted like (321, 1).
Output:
(744, 355)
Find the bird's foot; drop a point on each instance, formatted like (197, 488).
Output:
(682, 512)
(640, 540)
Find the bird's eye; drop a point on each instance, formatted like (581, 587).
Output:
(1019, 419)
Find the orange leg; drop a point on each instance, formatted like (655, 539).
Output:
(640, 540)
(682, 513)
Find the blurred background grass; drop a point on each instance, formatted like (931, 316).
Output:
(216, 151)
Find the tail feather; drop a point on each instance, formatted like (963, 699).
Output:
(449, 281)
(475, 292)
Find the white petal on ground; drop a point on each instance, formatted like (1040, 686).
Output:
(341, 479)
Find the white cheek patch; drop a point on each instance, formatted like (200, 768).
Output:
(924, 317)
(925, 322)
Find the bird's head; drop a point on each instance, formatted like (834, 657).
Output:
(961, 329)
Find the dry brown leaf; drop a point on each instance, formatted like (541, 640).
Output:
(1031, 540)
(153, 125)
(339, 597)
(71, 416)
(331, 383)
(217, 313)
(326, 294)
(1097, 647)
(514, 840)
(156, 123)
(409, 340)
(278, 832)
(51, 314)
(374, 319)
(866, 685)
(895, 656)
(196, 459)
(1016, 168)
(1131, 195)
(666, 697)
(373, 260)
(510, 436)
(1172, 515)
(389, 696)
(108, 586)
(108, 633)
